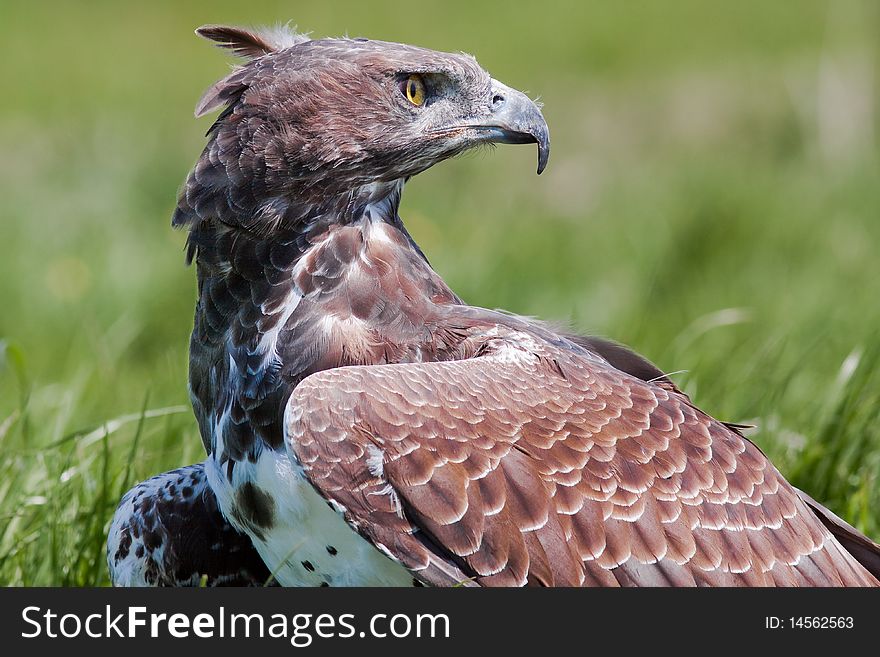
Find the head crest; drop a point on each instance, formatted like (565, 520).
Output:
(248, 43)
(252, 43)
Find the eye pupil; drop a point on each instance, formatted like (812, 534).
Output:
(414, 90)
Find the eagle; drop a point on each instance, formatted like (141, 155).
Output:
(365, 426)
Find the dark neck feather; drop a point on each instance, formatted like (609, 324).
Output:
(292, 222)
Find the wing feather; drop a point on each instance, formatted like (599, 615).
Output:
(548, 466)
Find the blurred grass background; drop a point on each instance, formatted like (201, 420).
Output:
(713, 200)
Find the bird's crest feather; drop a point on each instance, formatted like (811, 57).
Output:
(251, 43)
(243, 42)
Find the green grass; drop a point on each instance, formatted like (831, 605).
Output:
(713, 200)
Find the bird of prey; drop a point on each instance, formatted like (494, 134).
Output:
(365, 426)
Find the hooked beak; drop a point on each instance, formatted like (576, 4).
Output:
(515, 119)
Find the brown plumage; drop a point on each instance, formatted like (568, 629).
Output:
(536, 465)
(330, 365)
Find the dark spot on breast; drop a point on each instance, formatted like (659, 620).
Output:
(151, 573)
(332, 550)
(149, 520)
(323, 584)
(139, 552)
(254, 508)
(187, 491)
(417, 583)
(308, 566)
(124, 544)
(152, 540)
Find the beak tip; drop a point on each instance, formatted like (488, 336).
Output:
(543, 156)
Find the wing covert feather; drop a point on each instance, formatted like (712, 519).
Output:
(551, 467)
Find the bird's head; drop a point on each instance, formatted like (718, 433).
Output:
(325, 116)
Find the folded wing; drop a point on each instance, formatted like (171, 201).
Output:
(548, 466)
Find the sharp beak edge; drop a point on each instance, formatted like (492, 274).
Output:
(516, 119)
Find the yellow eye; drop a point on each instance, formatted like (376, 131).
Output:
(414, 89)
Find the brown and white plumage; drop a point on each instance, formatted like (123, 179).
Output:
(536, 464)
(330, 366)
